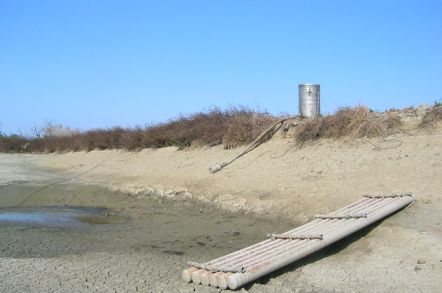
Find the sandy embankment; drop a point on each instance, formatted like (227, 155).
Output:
(277, 180)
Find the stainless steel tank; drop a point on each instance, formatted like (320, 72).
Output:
(309, 100)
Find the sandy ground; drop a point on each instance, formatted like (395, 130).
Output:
(143, 251)
(283, 182)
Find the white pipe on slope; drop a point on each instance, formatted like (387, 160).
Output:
(237, 280)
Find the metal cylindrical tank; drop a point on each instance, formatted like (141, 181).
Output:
(309, 100)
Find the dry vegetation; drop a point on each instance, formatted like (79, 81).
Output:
(432, 116)
(232, 128)
(353, 122)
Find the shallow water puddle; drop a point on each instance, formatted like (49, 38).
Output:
(58, 217)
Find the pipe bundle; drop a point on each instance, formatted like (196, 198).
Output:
(272, 254)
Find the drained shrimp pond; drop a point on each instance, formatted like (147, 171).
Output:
(76, 237)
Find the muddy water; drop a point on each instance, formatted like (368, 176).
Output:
(57, 217)
(149, 239)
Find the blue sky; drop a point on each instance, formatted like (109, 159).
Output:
(89, 64)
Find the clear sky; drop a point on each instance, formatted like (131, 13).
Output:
(101, 63)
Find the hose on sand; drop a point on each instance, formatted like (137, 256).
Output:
(254, 144)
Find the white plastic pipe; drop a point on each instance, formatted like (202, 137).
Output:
(222, 280)
(269, 244)
(214, 279)
(237, 280)
(294, 246)
(262, 253)
(187, 274)
(205, 278)
(196, 276)
(287, 246)
(266, 248)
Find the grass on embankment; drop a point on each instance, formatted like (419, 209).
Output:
(231, 128)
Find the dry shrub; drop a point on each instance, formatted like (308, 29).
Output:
(392, 121)
(432, 116)
(13, 143)
(310, 130)
(132, 139)
(352, 122)
(206, 127)
(51, 129)
(234, 126)
(244, 127)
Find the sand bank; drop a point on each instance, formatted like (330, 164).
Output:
(277, 179)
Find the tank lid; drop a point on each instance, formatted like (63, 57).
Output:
(308, 84)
